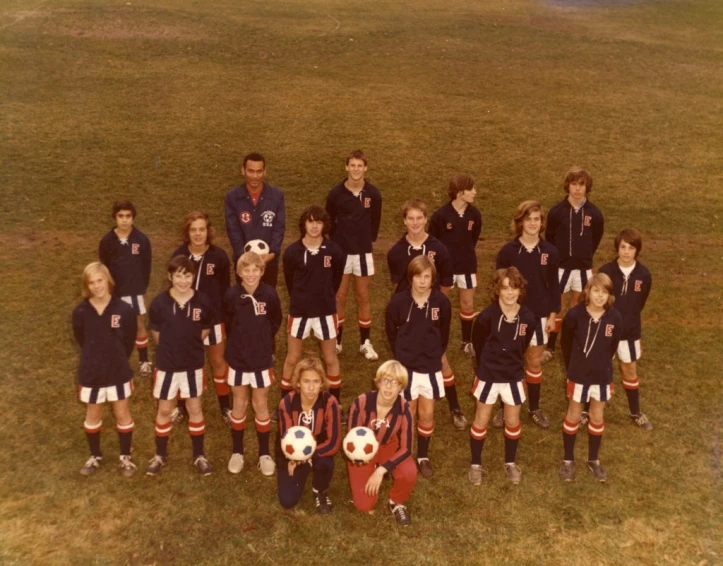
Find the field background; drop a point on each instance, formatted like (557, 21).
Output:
(157, 101)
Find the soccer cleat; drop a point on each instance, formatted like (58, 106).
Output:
(177, 416)
(584, 418)
(425, 468)
(567, 470)
(274, 416)
(546, 356)
(642, 421)
(127, 468)
(474, 475)
(226, 416)
(468, 349)
(267, 465)
(236, 463)
(368, 350)
(498, 421)
(458, 419)
(144, 369)
(322, 502)
(339, 348)
(203, 466)
(597, 470)
(401, 513)
(514, 473)
(539, 418)
(154, 465)
(90, 466)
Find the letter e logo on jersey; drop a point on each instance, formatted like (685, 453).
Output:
(327, 261)
(543, 259)
(638, 285)
(609, 329)
(470, 225)
(196, 315)
(115, 321)
(367, 203)
(435, 313)
(588, 221)
(261, 308)
(209, 268)
(136, 249)
(523, 330)
(245, 217)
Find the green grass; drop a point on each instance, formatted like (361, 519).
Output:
(158, 101)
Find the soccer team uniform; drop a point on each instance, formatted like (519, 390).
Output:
(264, 219)
(588, 347)
(104, 374)
(324, 421)
(500, 346)
(394, 434)
(460, 233)
(402, 253)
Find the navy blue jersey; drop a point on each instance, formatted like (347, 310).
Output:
(588, 346)
(631, 293)
(500, 344)
(459, 232)
(180, 345)
(402, 253)
(396, 429)
(106, 341)
(212, 273)
(355, 219)
(252, 321)
(576, 233)
(128, 260)
(418, 336)
(324, 421)
(246, 221)
(313, 278)
(539, 268)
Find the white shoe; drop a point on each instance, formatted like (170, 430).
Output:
(267, 465)
(339, 348)
(236, 463)
(368, 350)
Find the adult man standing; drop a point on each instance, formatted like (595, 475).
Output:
(256, 211)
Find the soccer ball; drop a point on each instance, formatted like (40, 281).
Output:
(360, 444)
(257, 246)
(298, 443)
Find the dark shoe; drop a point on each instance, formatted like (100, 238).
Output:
(459, 420)
(155, 465)
(401, 513)
(90, 466)
(642, 421)
(539, 418)
(425, 468)
(203, 466)
(567, 470)
(322, 502)
(498, 421)
(597, 470)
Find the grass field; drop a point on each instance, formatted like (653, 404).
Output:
(157, 101)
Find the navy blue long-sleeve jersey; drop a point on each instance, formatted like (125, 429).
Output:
(402, 253)
(128, 260)
(418, 336)
(539, 268)
(459, 233)
(355, 219)
(313, 278)
(212, 273)
(575, 233)
(106, 341)
(500, 345)
(631, 294)
(588, 346)
(252, 321)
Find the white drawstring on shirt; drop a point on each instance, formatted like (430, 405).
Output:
(517, 327)
(585, 349)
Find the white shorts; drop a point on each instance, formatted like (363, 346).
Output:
(137, 302)
(488, 392)
(427, 385)
(583, 393)
(629, 351)
(216, 336)
(184, 384)
(573, 279)
(323, 327)
(359, 264)
(256, 379)
(96, 395)
(539, 335)
(465, 280)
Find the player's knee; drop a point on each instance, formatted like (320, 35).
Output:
(365, 504)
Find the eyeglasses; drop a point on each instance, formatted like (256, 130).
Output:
(387, 381)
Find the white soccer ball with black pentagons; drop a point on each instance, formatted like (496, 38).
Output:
(360, 444)
(298, 443)
(257, 246)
